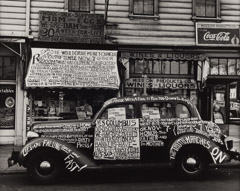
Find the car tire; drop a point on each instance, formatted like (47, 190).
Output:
(44, 166)
(192, 163)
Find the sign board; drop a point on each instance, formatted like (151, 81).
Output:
(161, 83)
(73, 68)
(218, 34)
(73, 27)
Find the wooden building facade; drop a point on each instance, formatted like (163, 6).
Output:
(184, 48)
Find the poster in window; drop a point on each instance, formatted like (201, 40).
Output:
(7, 106)
(117, 113)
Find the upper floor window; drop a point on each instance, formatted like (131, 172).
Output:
(206, 9)
(80, 5)
(144, 9)
(7, 68)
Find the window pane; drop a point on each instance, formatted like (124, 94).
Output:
(174, 67)
(148, 7)
(79, 5)
(166, 67)
(231, 66)
(147, 66)
(1, 68)
(156, 67)
(139, 66)
(143, 7)
(183, 67)
(138, 7)
(9, 68)
(84, 5)
(214, 66)
(132, 65)
(222, 66)
(238, 67)
(210, 8)
(200, 8)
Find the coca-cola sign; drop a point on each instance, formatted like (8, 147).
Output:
(218, 34)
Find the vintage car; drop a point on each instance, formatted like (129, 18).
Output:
(135, 131)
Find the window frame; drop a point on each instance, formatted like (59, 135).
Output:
(91, 7)
(197, 18)
(155, 15)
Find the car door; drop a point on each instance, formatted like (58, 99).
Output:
(156, 125)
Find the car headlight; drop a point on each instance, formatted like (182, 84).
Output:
(31, 134)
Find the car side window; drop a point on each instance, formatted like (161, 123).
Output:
(119, 112)
(182, 111)
(156, 110)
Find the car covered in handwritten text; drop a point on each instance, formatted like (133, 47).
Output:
(139, 131)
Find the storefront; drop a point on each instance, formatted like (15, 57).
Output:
(58, 82)
(162, 73)
(11, 93)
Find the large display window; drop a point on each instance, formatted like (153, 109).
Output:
(59, 104)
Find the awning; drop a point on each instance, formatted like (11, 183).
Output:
(70, 68)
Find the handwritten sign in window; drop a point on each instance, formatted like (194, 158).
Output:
(73, 68)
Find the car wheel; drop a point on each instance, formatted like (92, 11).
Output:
(44, 166)
(192, 163)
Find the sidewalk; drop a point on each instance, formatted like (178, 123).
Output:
(5, 152)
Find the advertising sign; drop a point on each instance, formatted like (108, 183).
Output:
(7, 106)
(164, 83)
(217, 34)
(71, 27)
(73, 68)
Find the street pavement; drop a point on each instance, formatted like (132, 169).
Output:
(5, 153)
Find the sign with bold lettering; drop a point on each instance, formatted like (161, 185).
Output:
(164, 83)
(71, 27)
(218, 34)
(73, 68)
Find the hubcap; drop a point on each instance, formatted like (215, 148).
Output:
(45, 165)
(191, 161)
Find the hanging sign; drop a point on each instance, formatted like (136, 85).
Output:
(71, 27)
(73, 68)
(218, 34)
(161, 83)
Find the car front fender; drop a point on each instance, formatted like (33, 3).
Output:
(74, 159)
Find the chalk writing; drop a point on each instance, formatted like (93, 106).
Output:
(117, 139)
(218, 155)
(191, 139)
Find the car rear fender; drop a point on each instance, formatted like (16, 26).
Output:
(217, 155)
(74, 159)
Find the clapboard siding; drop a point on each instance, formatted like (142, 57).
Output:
(174, 26)
(13, 18)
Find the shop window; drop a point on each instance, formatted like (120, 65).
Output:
(224, 66)
(206, 9)
(161, 67)
(7, 68)
(144, 9)
(80, 5)
(7, 106)
(119, 112)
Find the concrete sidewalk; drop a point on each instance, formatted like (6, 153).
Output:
(5, 153)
